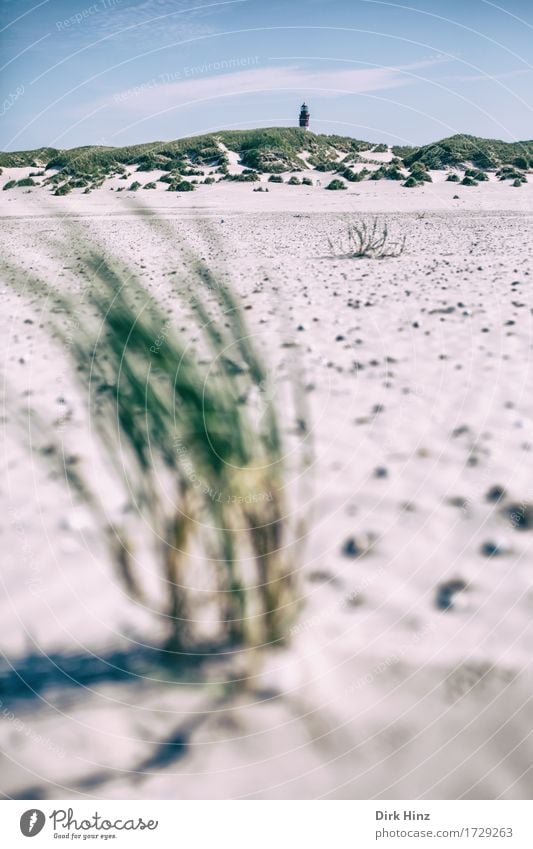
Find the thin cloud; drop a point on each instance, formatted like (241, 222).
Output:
(209, 81)
(474, 78)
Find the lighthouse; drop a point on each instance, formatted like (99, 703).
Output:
(304, 116)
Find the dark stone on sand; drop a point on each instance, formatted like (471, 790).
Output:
(495, 493)
(446, 593)
(520, 516)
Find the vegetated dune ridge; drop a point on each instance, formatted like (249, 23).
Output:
(246, 155)
(408, 673)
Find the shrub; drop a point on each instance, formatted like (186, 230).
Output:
(26, 181)
(469, 181)
(386, 173)
(134, 186)
(275, 178)
(208, 181)
(307, 181)
(509, 173)
(411, 183)
(368, 241)
(293, 181)
(476, 175)
(149, 186)
(9, 185)
(246, 176)
(453, 178)
(336, 185)
(420, 172)
(63, 189)
(517, 183)
(181, 186)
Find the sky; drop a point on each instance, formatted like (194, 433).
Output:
(118, 72)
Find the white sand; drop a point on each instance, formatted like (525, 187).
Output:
(381, 694)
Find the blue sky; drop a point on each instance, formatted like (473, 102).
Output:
(119, 72)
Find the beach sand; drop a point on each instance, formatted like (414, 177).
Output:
(408, 674)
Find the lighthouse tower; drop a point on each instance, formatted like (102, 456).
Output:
(304, 116)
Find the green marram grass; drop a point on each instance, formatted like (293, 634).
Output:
(177, 425)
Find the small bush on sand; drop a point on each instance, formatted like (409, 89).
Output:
(419, 171)
(275, 178)
(480, 176)
(307, 181)
(134, 186)
(469, 181)
(293, 181)
(63, 190)
(367, 240)
(246, 176)
(181, 186)
(355, 176)
(453, 178)
(208, 181)
(149, 186)
(517, 184)
(336, 185)
(411, 183)
(26, 181)
(9, 185)
(507, 172)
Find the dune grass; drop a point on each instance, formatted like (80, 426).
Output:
(179, 428)
(367, 240)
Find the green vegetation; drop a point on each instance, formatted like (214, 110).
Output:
(420, 173)
(480, 176)
(412, 183)
(294, 181)
(9, 185)
(64, 189)
(469, 181)
(274, 150)
(26, 181)
(204, 472)
(509, 172)
(461, 149)
(134, 186)
(180, 186)
(453, 178)
(307, 181)
(246, 176)
(355, 176)
(275, 178)
(336, 185)
(386, 172)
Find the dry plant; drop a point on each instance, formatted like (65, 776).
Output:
(367, 240)
(198, 466)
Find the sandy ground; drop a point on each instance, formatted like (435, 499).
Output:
(418, 376)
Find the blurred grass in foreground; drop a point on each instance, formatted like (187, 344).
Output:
(187, 446)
